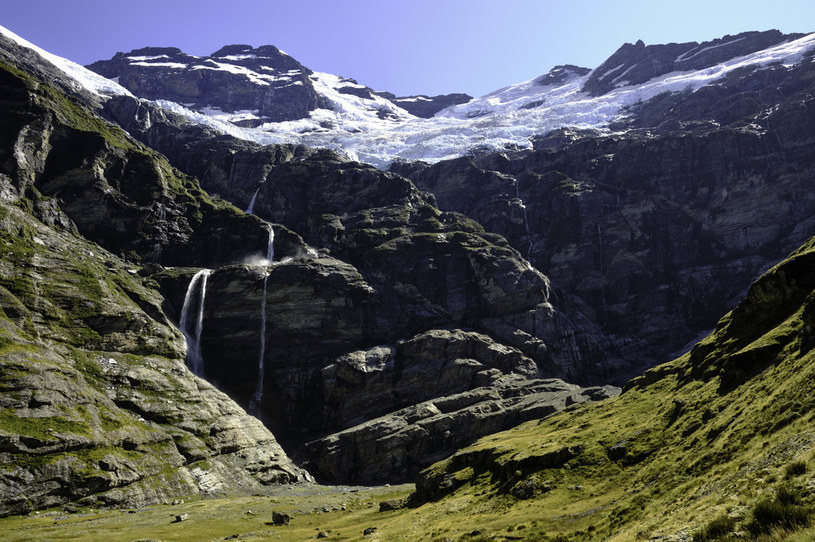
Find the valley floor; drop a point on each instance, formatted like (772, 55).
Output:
(340, 512)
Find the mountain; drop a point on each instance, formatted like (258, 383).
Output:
(379, 320)
(254, 86)
(98, 407)
(337, 113)
(109, 244)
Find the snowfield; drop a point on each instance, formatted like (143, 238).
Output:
(377, 131)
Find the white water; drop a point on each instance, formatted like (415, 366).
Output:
(251, 209)
(192, 331)
(270, 245)
(257, 397)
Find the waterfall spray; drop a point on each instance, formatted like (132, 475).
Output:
(192, 331)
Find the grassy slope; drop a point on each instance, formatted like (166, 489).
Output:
(705, 435)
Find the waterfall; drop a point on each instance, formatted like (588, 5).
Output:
(602, 266)
(251, 209)
(270, 245)
(600, 247)
(526, 220)
(257, 397)
(192, 331)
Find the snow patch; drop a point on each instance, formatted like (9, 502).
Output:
(146, 58)
(176, 65)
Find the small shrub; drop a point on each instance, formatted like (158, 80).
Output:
(788, 495)
(796, 468)
(767, 515)
(716, 529)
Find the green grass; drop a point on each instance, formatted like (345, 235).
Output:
(42, 428)
(249, 518)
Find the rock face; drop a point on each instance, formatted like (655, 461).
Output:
(644, 224)
(348, 342)
(97, 405)
(426, 106)
(371, 219)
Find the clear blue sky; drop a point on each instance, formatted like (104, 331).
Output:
(403, 46)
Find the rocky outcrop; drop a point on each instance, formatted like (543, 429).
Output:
(426, 106)
(399, 445)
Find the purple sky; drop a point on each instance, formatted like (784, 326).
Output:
(403, 46)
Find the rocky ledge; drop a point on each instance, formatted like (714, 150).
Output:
(397, 446)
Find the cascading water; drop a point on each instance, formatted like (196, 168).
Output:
(270, 245)
(257, 398)
(251, 209)
(526, 220)
(192, 330)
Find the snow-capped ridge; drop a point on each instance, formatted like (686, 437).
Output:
(272, 98)
(375, 129)
(88, 80)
